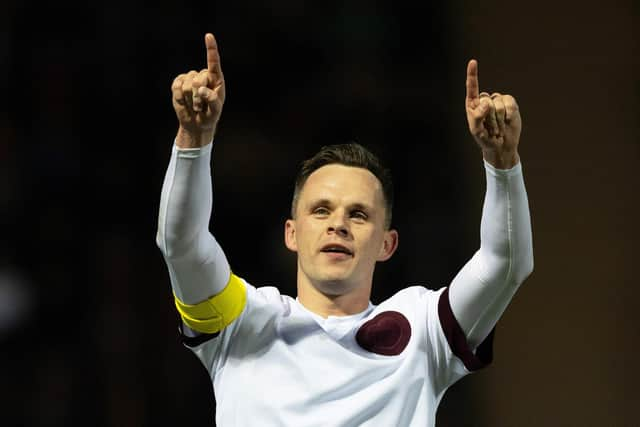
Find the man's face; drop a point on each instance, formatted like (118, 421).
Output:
(338, 231)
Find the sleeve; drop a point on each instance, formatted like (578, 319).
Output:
(255, 328)
(449, 356)
(483, 288)
(213, 353)
(206, 293)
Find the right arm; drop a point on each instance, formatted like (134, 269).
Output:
(207, 295)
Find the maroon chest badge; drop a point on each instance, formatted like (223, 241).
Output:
(387, 333)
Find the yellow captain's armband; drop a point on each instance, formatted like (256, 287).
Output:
(217, 312)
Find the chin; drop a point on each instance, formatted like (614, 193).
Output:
(334, 286)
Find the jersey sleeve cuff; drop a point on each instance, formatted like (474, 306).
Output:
(457, 340)
(192, 153)
(492, 170)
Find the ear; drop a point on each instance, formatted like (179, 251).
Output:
(389, 245)
(290, 235)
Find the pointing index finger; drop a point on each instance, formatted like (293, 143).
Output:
(473, 90)
(213, 59)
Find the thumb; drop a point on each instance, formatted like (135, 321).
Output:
(209, 95)
(484, 107)
(479, 113)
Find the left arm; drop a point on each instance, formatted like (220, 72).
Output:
(481, 291)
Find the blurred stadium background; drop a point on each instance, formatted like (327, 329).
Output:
(87, 327)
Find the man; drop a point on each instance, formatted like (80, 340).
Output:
(330, 357)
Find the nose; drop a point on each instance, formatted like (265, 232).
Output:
(338, 225)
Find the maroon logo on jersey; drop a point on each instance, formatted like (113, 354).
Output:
(387, 333)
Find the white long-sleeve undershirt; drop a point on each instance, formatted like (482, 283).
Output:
(483, 288)
(478, 295)
(198, 268)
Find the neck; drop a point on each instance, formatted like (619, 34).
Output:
(325, 305)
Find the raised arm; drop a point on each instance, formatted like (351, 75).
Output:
(206, 294)
(481, 291)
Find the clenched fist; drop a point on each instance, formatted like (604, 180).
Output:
(494, 121)
(197, 98)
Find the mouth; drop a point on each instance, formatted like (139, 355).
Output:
(335, 248)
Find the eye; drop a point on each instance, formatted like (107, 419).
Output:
(359, 215)
(321, 211)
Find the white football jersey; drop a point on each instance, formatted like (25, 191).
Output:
(279, 364)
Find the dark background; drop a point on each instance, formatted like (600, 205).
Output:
(87, 327)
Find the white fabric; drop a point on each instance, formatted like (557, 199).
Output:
(198, 268)
(483, 288)
(280, 365)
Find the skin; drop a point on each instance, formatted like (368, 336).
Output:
(341, 204)
(494, 122)
(198, 97)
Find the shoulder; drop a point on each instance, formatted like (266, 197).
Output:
(417, 303)
(399, 320)
(267, 298)
(261, 306)
(415, 295)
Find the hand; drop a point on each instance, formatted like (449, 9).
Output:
(197, 98)
(494, 121)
